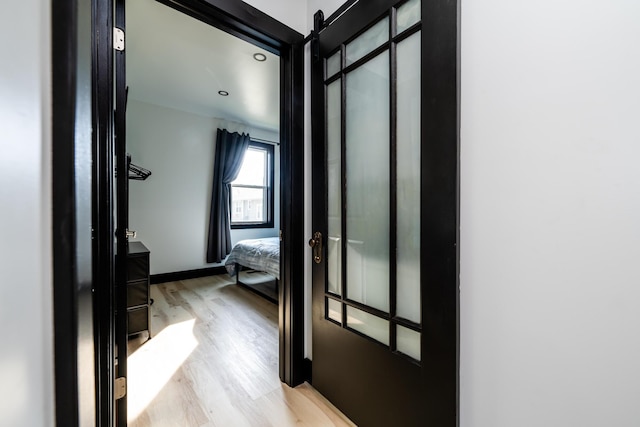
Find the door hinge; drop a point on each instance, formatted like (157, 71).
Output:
(118, 39)
(120, 388)
(281, 235)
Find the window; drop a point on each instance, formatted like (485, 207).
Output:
(252, 190)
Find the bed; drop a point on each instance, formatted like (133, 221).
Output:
(261, 255)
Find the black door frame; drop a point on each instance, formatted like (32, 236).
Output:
(103, 104)
(254, 26)
(71, 211)
(122, 216)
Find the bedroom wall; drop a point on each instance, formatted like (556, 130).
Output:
(170, 210)
(26, 329)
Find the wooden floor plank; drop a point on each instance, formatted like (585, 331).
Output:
(213, 361)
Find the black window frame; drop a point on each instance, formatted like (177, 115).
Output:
(269, 199)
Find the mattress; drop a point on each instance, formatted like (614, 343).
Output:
(258, 254)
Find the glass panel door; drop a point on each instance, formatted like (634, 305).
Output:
(384, 244)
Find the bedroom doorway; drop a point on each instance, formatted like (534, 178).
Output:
(193, 95)
(285, 46)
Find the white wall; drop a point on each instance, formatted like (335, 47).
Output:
(550, 231)
(170, 210)
(293, 13)
(26, 353)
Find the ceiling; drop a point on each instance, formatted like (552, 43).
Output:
(178, 62)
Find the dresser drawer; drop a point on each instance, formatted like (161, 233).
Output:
(137, 267)
(138, 293)
(138, 319)
(137, 288)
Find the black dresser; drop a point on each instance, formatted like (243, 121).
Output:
(138, 300)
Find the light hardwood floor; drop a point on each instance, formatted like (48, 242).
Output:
(213, 361)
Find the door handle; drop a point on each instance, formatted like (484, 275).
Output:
(131, 233)
(316, 245)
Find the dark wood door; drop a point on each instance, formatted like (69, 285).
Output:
(122, 216)
(385, 180)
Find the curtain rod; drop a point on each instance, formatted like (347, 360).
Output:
(264, 141)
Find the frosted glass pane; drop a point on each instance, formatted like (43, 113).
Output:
(334, 310)
(408, 341)
(334, 189)
(408, 14)
(368, 324)
(333, 64)
(334, 260)
(367, 173)
(408, 174)
(367, 41)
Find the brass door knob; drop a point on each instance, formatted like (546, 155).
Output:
(316, 244)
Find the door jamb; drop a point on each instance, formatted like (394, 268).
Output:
(64, 32)
(102, 216)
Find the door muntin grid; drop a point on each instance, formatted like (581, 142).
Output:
(394, 262)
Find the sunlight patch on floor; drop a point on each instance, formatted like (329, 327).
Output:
(153, 364)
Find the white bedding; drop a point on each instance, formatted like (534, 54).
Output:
(258, 254)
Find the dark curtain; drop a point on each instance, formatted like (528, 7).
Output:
(230, 149)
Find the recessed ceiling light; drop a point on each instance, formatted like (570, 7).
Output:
(260, 57)
(223, 93)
